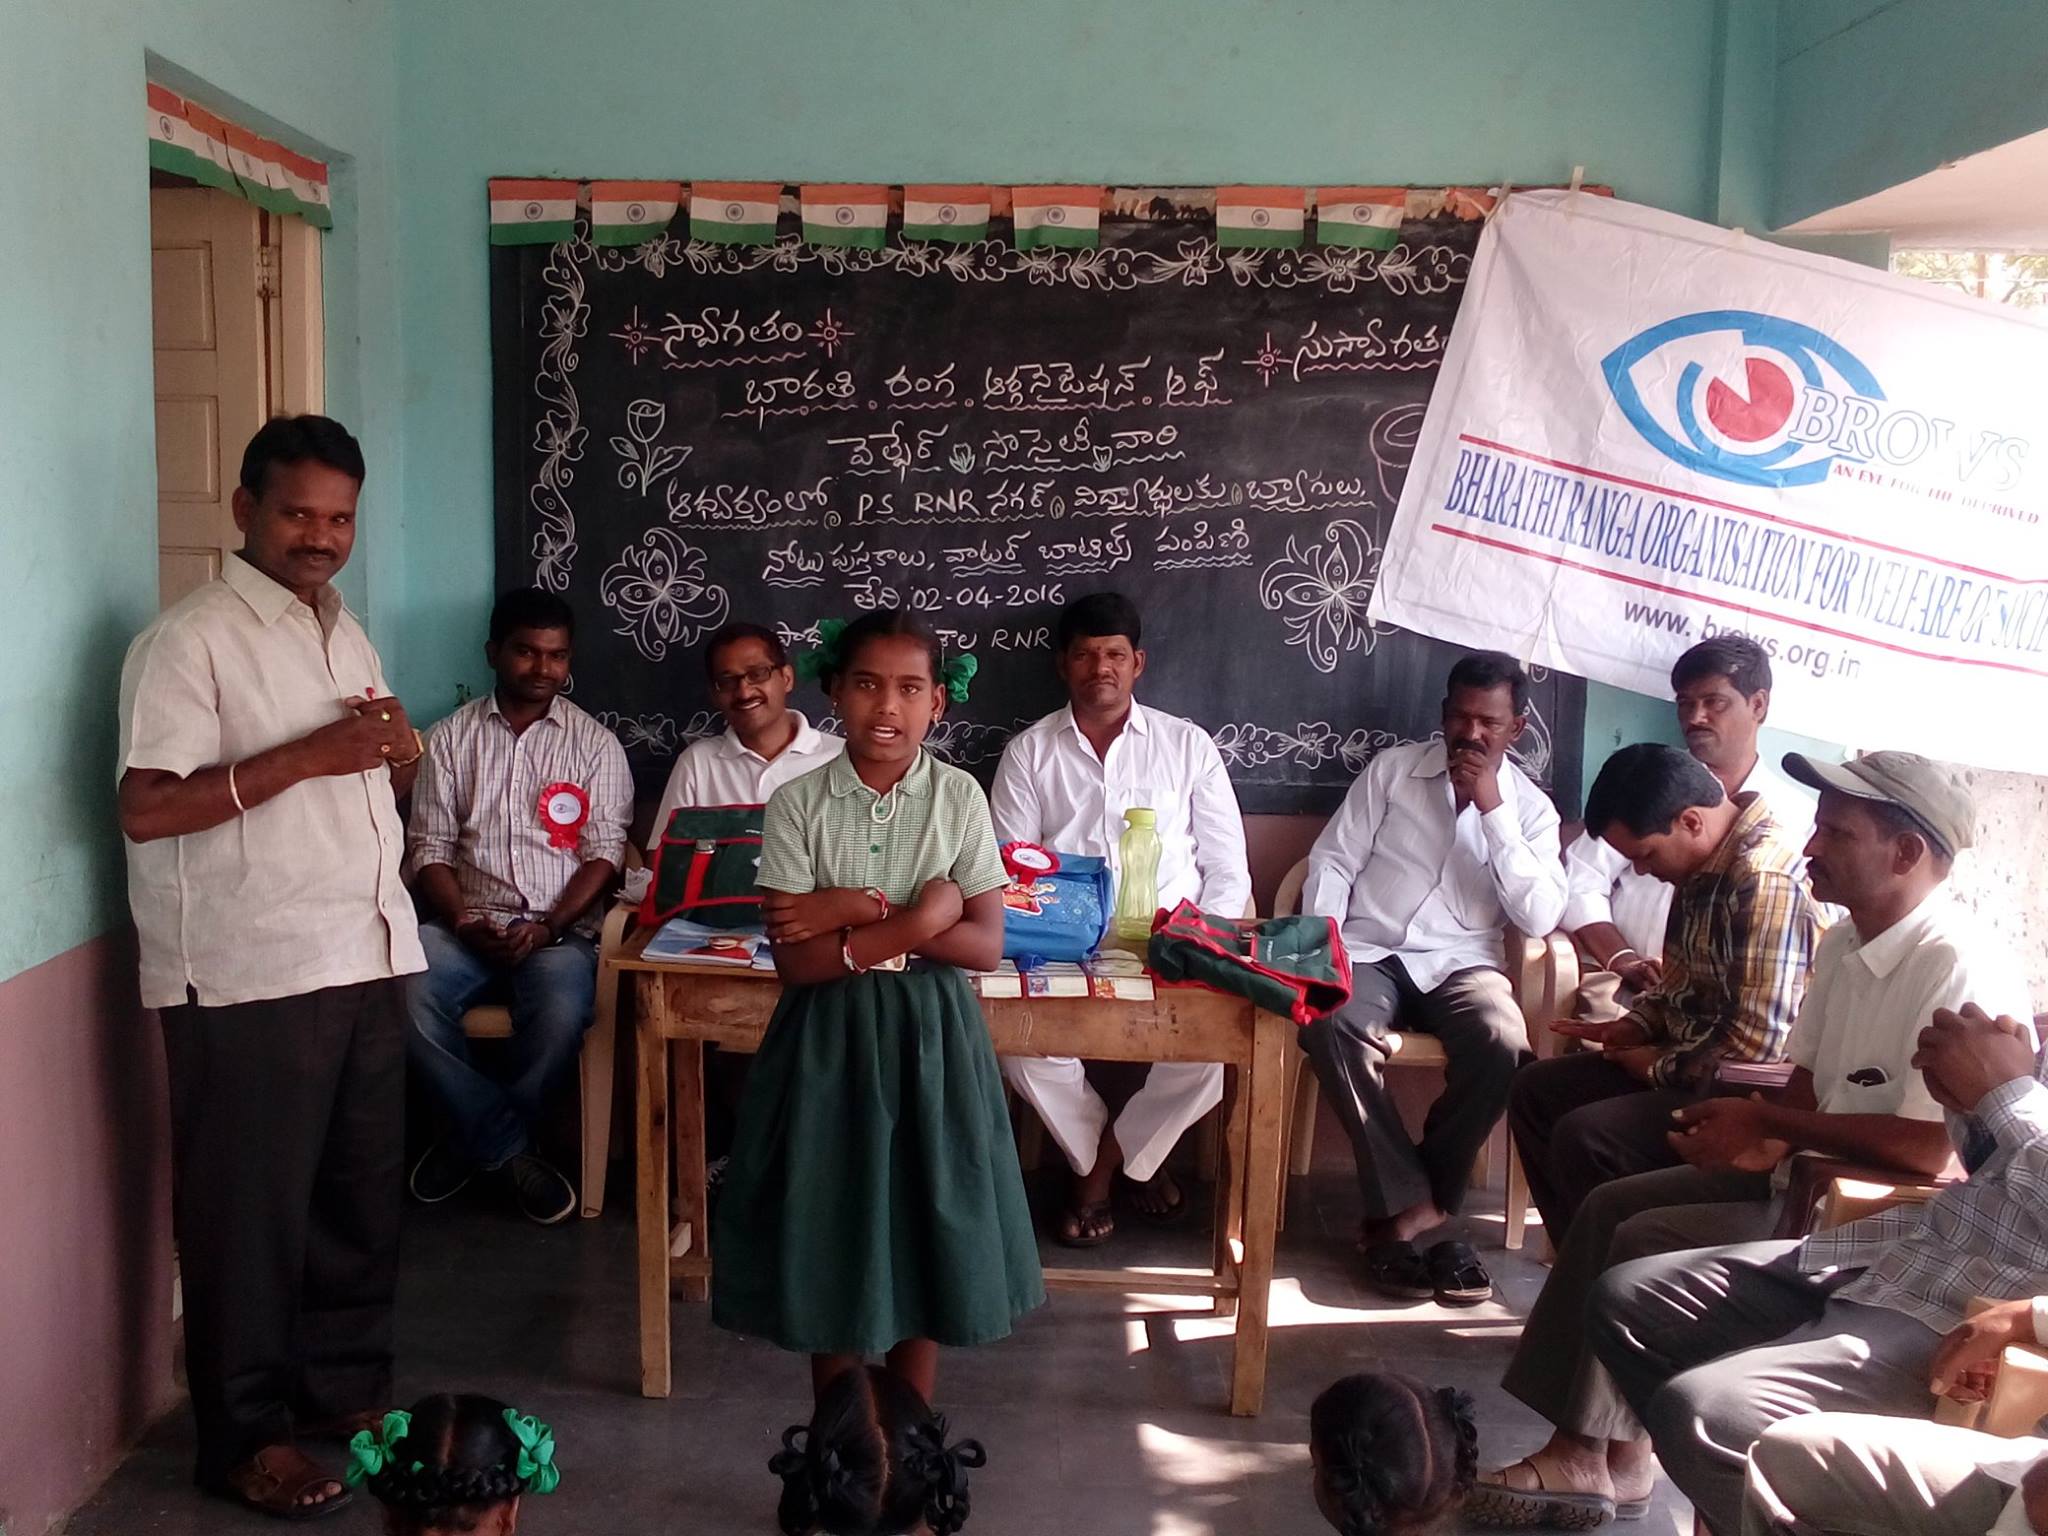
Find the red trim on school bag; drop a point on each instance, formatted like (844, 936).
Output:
(1293, 966)
(706, 866)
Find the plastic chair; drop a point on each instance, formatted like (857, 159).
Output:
(594, 1066)
(1545, 972)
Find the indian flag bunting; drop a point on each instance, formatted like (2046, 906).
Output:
(632, 212)
(1362, 216)
(957, 215)
(305, 183)
(532, 212)
(180, 143)
(734, 212)
(254, 159)
(1067, 217)
(1260, 218)
(845, 216)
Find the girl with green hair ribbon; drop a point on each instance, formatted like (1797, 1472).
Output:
(453, 1463)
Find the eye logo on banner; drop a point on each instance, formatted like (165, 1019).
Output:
(1737, 395)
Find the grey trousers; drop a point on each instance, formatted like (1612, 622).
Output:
(1854, 1474)
(1554, 1371)
(1712, 1346)
(1579, 1121)
(1473, 1015)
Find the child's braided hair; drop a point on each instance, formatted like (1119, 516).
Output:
(873, 1459)
(1393, 1455)
(450, 1459)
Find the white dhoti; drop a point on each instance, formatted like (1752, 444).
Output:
(1176, 1094)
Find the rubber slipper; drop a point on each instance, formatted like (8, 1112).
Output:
(1082, 1217)
(272, 1481)
(1459, 1279)
(1397, 1270)
(1173, 1215)
(1496, 1502)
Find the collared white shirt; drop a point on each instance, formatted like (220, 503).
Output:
(1051, 789)
(723, 770)
(1409, 875)
(476, 806)
(303, 891)
(1605, 887)
(1860, 1024)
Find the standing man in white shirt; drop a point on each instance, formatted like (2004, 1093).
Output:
(260, 753)
(1723, 697)
(1065, 783)
(518, 835)
(1437, 846)
(765, 743)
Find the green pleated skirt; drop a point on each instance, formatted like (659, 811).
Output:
(873, 1193)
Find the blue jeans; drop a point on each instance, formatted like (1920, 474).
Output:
(551, 993)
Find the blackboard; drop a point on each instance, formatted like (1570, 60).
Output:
(688, 433)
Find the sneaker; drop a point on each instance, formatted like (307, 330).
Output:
(544, 1196)
(439, 1174)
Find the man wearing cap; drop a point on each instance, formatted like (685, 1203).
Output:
(1881, 848)
(1618, 916)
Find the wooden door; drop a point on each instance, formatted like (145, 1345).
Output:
(211, 373)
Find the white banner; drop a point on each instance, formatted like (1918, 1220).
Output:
(1649, 430)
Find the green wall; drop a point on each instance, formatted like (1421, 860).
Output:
(77, 458)
(1871, 93)
(1135, 92)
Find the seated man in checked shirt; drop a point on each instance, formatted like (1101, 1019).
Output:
(1737, 956)
(1714, 1346)
(518, 831)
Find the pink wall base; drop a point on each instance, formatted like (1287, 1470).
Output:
(85, 1229)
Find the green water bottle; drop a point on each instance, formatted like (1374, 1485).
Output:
(1137, 881)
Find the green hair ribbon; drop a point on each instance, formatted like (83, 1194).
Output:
(370, 1452)
(813, 664)
(536, 1465)
(957, 674)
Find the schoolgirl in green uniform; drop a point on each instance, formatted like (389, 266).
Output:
(873, 1203)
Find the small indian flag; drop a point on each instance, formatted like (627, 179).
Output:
(255, 160)
(532, 212)
(1367, 216)
(305, 181)
(734, 212)
(1070, 217)
(214, 169)
(174, 144)
(843, 215)
(957, 215)
(1260, 218)
(632, 212)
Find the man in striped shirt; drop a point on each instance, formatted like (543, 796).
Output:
(518, 832)
(1736, 957)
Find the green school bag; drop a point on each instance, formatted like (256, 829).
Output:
(1293, 966)
(706, 868)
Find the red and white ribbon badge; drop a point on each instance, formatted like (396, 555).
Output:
(1027, 862)
(563, 810)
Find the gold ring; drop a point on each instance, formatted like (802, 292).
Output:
(386, 715)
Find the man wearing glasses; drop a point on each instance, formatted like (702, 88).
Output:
(765, 744)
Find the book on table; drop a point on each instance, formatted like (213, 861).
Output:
(680, 939)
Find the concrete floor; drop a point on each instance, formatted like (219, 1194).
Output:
(1103, 1416)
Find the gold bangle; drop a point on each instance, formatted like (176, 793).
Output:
(419, 750)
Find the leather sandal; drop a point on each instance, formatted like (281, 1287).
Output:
(1396, 1269)
(1515, 1496)
(1458, 1277)
(276, 1478)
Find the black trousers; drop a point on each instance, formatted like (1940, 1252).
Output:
(1579, 1121)
(1473, 1015)
(288, 1162)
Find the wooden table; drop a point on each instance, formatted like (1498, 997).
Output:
(682, 1007)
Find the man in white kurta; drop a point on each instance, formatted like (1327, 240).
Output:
(1065, 784)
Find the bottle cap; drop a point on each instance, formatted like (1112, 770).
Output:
(1140, 816)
